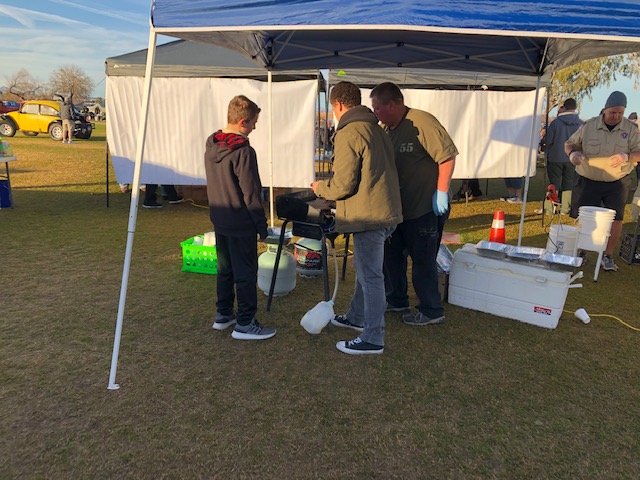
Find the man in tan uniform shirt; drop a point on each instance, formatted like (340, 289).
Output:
(605, 150)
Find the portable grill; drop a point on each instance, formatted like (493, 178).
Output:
(311, 218)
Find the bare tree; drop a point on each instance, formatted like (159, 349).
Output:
(71, 80)
(22, 86)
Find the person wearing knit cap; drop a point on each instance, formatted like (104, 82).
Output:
(605, 150)
(560, 170)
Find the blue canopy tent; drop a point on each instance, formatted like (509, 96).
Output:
(521, 37)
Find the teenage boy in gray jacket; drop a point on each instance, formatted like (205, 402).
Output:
(365, 187)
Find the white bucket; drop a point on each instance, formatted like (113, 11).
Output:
(592, 242)
(563, 240)
(595, 227)
(595, 210)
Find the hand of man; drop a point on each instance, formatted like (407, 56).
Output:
(314, 185)
(618, 159)
(440, 202)
(576, 157)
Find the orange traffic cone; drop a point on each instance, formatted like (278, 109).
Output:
(497, 227)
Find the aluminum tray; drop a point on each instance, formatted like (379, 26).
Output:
(557, 261)
(492, 249)
(525, 254)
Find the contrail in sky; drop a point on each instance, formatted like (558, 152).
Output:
(102, 12)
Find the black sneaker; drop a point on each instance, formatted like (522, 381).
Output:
(153, 204)
(223, 322)
(180, 199)
(343, 321)
(358, 347)
(253, 331)
(418, 318)
(583, 256)
(393, 308)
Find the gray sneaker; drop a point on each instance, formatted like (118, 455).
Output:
(608, 264)
(223, 322)
(253, 331)
(418, 318)
(393, 308)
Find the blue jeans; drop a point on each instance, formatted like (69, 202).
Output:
(368, 303)
(418, 238)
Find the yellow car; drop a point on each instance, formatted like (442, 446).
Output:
(41, 116)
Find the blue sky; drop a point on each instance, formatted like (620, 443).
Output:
(44, 35)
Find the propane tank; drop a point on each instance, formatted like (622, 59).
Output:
(286, 279)
(308, 255)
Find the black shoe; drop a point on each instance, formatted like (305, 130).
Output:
(393, 308)
(583, 256)
(418, 318)
(358, 347)
(179, 199)
(343, 321)
(152, 204)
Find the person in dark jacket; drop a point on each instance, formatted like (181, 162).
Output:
(66, 115)
(235, 208)
(560, 170)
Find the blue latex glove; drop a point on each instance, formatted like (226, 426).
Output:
(440, 202)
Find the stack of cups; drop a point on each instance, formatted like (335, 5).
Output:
(595, 227)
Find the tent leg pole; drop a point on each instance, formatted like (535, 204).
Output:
(528, 176)
(270, 105)
(133, 209)
(106, 182)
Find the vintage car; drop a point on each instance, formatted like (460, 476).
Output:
(41, 116)
(7, 106)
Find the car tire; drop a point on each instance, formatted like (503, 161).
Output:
(7, 129)
(30, 134)
(55, 131)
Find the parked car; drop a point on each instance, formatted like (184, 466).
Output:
(42, 116)
(7, 106)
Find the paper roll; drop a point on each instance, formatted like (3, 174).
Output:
(209, 239)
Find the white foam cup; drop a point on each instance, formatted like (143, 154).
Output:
(583, 316)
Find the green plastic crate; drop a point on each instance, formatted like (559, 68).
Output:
(198, 258)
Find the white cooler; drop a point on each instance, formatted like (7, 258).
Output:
(522, 291)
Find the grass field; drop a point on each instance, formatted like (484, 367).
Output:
(477, 397)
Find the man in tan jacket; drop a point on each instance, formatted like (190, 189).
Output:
(365, 186)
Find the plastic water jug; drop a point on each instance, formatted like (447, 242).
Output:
(318, 317)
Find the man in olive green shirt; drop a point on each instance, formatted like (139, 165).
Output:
(425, 158)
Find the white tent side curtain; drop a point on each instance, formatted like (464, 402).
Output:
(491, 129)
(176, 131)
